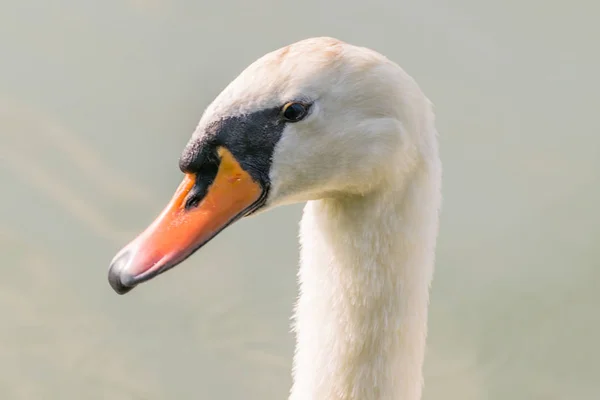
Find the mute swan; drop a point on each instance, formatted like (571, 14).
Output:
(348, 131)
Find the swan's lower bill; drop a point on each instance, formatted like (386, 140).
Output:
(203, 205)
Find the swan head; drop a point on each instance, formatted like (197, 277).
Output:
(316, 119)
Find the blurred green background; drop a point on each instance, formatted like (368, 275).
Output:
(97, 100)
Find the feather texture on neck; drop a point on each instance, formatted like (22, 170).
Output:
(366, 267)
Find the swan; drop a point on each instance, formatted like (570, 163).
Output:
(347, 131)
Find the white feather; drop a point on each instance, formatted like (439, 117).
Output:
(366, 160)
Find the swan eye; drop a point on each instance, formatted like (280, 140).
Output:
(294, 112)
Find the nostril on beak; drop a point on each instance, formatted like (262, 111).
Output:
(116, 273)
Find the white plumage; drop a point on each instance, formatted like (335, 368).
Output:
(367, 162)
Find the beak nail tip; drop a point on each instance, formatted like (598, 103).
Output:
(115, 283)
(116, 274)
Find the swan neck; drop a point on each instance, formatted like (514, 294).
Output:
(361, 317)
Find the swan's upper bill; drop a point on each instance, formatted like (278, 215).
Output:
(316, 119)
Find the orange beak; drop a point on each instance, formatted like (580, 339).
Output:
(180, 230)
